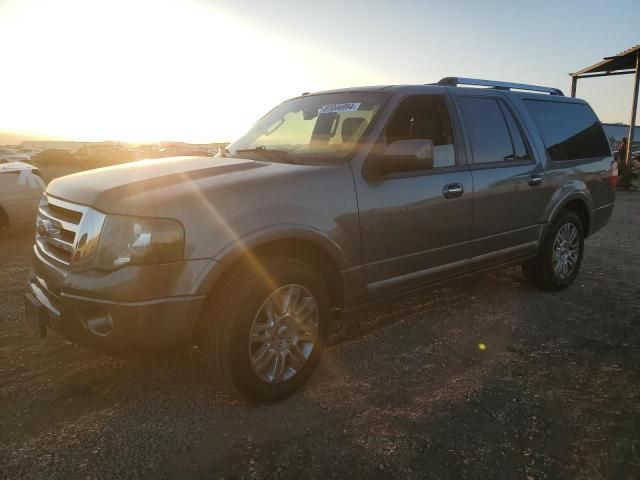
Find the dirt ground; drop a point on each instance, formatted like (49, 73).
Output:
(406, 392)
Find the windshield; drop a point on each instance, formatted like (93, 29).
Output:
(325, 125)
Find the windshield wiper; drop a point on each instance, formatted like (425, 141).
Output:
(278, 155)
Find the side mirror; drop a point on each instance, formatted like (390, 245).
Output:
(406, 156)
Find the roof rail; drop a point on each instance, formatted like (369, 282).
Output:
(455, 81)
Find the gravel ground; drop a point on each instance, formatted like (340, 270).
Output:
(406, 392)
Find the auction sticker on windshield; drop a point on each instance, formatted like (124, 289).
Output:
(340, 107)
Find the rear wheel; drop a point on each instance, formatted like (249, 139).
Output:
(267, 328)
(560, 256)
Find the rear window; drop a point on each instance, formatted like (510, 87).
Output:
(570, 131)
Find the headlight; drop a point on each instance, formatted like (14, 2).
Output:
(135, 241)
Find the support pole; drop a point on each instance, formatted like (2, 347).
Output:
(634, 103)
(574, 84)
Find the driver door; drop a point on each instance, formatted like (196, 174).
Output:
(416, 226)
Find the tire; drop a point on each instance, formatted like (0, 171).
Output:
(243, 305)
(540, 271)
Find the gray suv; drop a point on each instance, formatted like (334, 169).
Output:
(331, 201)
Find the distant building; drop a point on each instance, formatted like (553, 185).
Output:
(86, 147)
(617, 131)
(63, 145)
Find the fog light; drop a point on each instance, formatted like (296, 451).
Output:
(100, 324)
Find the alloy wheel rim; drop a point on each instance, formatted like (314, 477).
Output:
(283, 333)
(566, 249)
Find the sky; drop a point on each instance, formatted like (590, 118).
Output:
(206, 70)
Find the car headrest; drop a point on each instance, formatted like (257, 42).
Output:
(350, 127)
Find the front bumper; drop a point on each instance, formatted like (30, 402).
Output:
(165, 317)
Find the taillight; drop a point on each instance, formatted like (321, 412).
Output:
(613, 175)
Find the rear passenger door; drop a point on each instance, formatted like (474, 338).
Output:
(508, 198)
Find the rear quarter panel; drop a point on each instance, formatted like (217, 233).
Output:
(584, 179)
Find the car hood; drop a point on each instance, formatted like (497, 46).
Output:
(103, 188)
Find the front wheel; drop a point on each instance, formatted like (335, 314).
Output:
(560, 256)
(267, 328)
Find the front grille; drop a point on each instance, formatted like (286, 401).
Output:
(57, 228)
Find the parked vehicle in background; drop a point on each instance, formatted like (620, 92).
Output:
(57, 162)
(8, 155)
(21, 187)
(55, 157)
(331, 201)
(30, 152)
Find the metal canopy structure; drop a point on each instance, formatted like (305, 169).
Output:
(624, 63)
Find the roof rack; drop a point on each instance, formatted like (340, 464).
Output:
(455, 81)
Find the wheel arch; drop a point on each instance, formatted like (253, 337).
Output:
(310, 246)
(574, 196)
(579, 206)
(282, 234)
(317, 251)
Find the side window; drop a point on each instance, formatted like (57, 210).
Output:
(424, 117)
(487, 129)
(569, 130)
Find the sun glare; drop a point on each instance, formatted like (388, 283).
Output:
(150, 70)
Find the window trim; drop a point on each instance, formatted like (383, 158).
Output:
(507, 110)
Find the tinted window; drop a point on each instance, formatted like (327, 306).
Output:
(424, 117)
(487, 128)
(569, 130)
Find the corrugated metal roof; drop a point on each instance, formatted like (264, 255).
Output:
(625, 60)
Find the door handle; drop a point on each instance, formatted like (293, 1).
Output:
(453, 190)
(535, 179)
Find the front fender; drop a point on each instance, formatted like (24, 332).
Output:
(255, 239)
